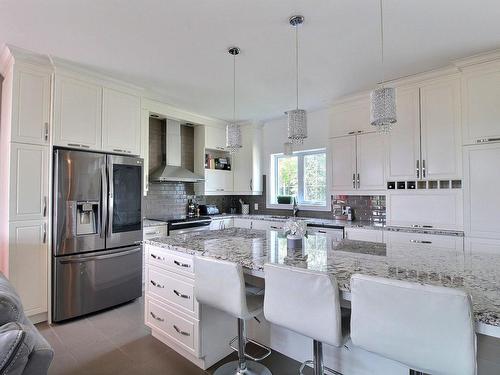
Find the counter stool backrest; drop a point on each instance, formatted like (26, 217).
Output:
(303, 301)
(428, 328)
(220, 284)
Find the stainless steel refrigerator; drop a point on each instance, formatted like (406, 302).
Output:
(97, 232)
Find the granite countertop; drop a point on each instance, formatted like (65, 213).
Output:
(310, 220)
(478, 273)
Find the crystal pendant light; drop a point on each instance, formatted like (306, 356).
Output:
(383, 99)
(288, 148)
(297, 118)
(233, 130)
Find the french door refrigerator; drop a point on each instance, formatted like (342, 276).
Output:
(97, 232)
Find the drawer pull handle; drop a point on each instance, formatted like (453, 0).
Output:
(156, 317)
(421, 241)
(157, 285)
(157, 257)
(321, 231)
(273, 227)
(150, 233)
(180, 332)
(181, 295)
(181, 264)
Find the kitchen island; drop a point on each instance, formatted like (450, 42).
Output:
(201, 334)
(476, 273)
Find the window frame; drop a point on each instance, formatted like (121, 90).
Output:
(273, 183)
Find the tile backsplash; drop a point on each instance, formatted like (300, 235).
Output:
(169, 200)
(364, 207)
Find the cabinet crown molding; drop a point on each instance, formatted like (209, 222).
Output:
(12, 54)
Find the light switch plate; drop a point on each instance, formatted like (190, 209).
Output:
(256, 206)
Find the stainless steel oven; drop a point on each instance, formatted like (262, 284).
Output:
(97, 231)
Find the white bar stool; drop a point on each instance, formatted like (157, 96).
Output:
(221, 284)
(427, 328)
(305, 302)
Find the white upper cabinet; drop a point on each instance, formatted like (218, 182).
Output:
(245, 162)
(481, 105)
(121, 122)
(371, 161)
(350, 117)
(218, 181)
(482, 201)
(215, 138)
(31, 105)
(343, 154)
(28, 264)
(29, 198)
(77, 113)
(358, 162)
(403, 142)
(440, 129)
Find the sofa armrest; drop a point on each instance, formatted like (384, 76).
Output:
(15, 347)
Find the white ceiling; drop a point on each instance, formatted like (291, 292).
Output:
(178, 47)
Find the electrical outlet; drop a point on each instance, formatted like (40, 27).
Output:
(256, 206)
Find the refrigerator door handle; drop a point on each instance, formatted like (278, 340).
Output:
(86, 258)
(110, 192)
(104, 202)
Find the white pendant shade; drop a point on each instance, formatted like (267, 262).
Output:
(383, 108)
(297, 126)
(233, 137)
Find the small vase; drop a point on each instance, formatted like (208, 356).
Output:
(294, 242)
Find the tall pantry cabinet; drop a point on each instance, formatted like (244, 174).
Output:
(24, 172)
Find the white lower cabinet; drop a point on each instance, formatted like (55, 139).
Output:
(197, 332)
(242, 223)
(332, 234)
(28, 252)
(218, 224)
(360, 234)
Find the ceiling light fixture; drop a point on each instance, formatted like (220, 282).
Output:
(288, 149)
(233, 130)
(383, 99)
(297, 118)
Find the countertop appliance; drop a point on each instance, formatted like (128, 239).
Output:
(209, 209)
(187, 225)
(97, 232)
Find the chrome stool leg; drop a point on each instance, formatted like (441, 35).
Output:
(242, 366)
(317, 364)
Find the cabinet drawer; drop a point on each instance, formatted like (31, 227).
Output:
(179, 263)
(169, 286)
(181, 330)
(424, 240)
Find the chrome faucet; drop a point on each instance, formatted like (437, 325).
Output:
(295, 208)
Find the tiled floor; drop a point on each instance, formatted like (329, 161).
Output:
(117, 342)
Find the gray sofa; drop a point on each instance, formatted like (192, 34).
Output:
(23, 350)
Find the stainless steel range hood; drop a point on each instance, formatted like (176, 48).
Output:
(171, 169)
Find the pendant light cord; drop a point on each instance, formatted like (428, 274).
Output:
(382, 40)
(297, 61)
(234, 88)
